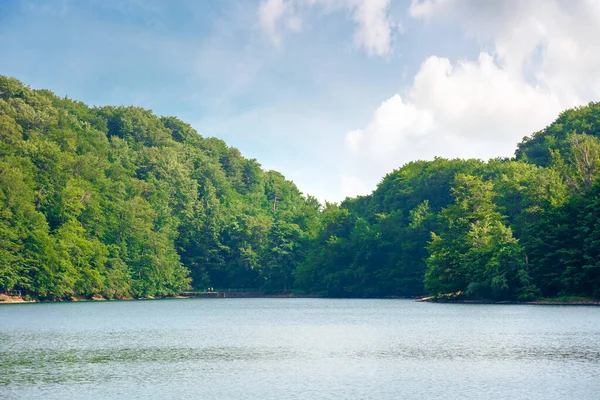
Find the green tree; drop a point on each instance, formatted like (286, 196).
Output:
(475, 253)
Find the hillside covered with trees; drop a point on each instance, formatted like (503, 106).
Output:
(118, 202)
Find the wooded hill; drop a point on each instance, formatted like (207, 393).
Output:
(116, 201)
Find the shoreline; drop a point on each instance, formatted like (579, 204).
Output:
(5, 299)
(539, 302)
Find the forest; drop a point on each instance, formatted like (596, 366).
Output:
(118, 202)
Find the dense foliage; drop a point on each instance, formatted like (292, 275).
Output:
(116, 201)
(498, 230)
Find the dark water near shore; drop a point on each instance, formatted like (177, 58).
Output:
(298, 349)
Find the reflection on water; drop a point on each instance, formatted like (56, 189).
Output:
(298, 348)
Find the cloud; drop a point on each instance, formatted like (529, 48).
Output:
(542, 58)
(480, 100)
(393, 126)
(374, 26)
(469, 109)
(374, 31)
(552, 42)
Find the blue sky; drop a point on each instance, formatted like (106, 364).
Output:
(332, 93)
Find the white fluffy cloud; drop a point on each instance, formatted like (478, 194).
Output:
(553, 41)
(545, 58)
(394, 124)
(374, 29)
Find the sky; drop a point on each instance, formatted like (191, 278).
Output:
(334, 94)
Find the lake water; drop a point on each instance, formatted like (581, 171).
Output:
(298, 349)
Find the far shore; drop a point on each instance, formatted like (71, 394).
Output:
(575, 301)
(6, 299)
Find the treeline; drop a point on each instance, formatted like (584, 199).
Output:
(118, 202)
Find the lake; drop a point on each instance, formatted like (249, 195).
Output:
(298, 349)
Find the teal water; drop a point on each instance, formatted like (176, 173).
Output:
(298, 349)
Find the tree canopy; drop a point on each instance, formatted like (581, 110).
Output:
(119, 202)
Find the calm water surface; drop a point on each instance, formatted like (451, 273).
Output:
(298, 349)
